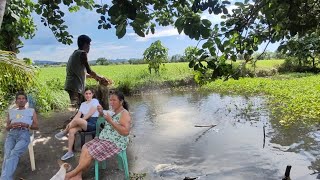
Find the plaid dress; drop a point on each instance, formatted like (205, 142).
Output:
(101, 149)
(109, 142)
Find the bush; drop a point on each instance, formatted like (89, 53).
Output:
(293, 64)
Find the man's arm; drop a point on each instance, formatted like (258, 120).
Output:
(8, 126)
(84, 61)
(91, 73)
(34, 125)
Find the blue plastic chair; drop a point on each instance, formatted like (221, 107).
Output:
(121, 157)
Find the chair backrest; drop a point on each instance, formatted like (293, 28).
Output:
(100, 121)
(31, 101)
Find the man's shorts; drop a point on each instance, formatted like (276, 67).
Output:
(75, 98)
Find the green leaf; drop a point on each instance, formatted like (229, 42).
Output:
(192, 63)
(199, 52)
(121, 30)
(206, 22)
(239, 4)
(179, 22)
(205, 32)
(113, 10)
(139, 32)
(212, 51)
(207, 44)
(225, 10)
(226, 2)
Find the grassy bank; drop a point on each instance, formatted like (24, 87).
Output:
(293, 98)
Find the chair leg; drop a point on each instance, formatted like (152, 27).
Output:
(31, 154)
(82, 139)
(96, 170)
(120, 163)
(123, 163)
(104, 164)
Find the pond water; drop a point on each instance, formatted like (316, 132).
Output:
(165, 143)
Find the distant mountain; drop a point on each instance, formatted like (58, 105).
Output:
(43, 62)
(93, 62)
(118, 60)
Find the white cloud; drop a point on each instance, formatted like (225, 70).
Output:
(160, 32)
(61, 53)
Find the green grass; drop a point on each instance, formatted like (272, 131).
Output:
(138, 75)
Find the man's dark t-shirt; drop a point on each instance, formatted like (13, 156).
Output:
(76, 70)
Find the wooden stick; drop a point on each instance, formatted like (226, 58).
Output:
(264, 136)
(213, 125)
(204, 132)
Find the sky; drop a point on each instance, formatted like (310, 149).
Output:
(104, 43)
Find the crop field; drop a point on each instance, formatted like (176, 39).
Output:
(135, 74)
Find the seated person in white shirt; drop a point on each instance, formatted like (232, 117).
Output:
(84, 120)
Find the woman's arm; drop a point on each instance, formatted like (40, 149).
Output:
(90, 113)
(78, 115)
(123, 127)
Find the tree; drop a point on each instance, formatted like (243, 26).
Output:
(15, 75)
(102, 61)
(28, 61)
(17, 23)
(2, 9)
(306, 49)
(190, 53)
(155, 55)
(241, 31)
(176, 58)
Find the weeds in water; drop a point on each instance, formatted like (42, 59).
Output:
(294, 100)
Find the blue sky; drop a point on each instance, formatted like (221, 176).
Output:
(104, 43)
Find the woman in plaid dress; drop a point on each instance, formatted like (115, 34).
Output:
(112, 139)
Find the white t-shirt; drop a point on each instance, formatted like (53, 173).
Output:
(85, 107)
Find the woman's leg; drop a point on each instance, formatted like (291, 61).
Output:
(78, 122)
(71, 137)
(84, 163)
(77, 177)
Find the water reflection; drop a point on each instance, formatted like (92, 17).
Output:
(166, 144)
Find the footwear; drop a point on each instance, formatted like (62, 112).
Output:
(67, 156)
(60, 135)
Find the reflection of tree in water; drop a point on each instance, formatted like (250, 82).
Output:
(297, 138)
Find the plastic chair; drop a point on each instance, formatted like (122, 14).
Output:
(121, 157)
(31, 104)
(31, 153)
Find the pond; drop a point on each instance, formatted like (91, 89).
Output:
(165, 143)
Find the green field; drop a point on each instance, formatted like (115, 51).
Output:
(135, 75)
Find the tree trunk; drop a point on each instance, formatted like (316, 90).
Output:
(313, 63)
(2, 9)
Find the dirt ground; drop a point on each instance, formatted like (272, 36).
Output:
(48, 150)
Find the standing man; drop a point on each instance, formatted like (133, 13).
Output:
(19, 121)
(78, 69)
